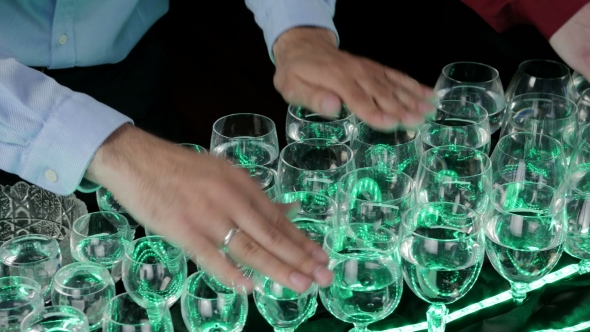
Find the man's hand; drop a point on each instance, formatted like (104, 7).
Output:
(196, 199)
(312, 72)
(572, 41)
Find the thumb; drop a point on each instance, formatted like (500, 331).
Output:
(317, 99)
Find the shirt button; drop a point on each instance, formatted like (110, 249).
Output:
(51, 175)
(63, 39)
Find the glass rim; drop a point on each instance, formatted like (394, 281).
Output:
(555, 192)
(241, 290)
(161, 306)
(494, 71)
(525, 97)
(429, 152)
(73, 265)
(191, 145)
(478, 221)
(581, 168)
(46, 259)
(355, 136)
(394, 238)
(29, 282)
(131, 246)
(530, 134)
(65, 310)
(481, 118)
(394, 171)
(553, 62)
(330, 144)
(266, 118)
(292, 108)
(76, 222)
(248, 166)
(305, 192)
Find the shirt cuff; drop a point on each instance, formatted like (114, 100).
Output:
(287, 14)
(61, 152)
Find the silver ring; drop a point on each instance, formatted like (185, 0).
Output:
(228, 237)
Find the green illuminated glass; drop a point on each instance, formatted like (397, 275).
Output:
(577, 191)
(541, 76)
(525, 234)
(124, 314)
(19, 297)
(368, 283)
(376, 196)
(212, 309)
(457, 122)
(399, 149)
(246, 139)
(442, 248)
(266, 178)
(581, 154)
(57, 318)
(303, 124)
(153, 265)
(528, 157)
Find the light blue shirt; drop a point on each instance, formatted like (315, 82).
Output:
(49, 133)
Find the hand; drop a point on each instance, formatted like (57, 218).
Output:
(572, 41)
(312, 72)
(196, 199)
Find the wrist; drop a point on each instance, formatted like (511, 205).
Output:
(300, 38)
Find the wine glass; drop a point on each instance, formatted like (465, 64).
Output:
(580, 84)
(153, 265)
(207, 305)
(101, 237)
(577, 196)
(57, 318)
(85, 286)
(543, 113)
(543, 76)
(583, 107)
(19, 296)
(457, 122)
(283, 308)
(581, 154)
(376, 196)
(34, 256)
(398, 149)
(303, 124)
(315, 216)
(314, 165)
(123, 314)
(528, 157)
(442, 248)
(474, 82)
(267, 178)
(525, 233)
(367, 284)
(456, 174)
(246, 139)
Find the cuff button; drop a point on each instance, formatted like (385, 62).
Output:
(51, 175)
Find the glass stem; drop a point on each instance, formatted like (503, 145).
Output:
(289, 329)
(584, 266)
(436, 315)
(360, 328)
(519, 290)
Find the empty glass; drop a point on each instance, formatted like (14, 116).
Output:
(209, 309)
(474, 82)
(314, 165)
(577, 191)
(57, 318)
(267, 178)
(85, 286)
(442, 248)
(246, 139)
(19, 296)
(123, 314)
(316, 214)
(399, 149)
(303, 124)
(153, 265)
(544, 76)
(528, 157)
(525, 233)
(368, 283)
(33, 256)
(455, 174)
(457, 122)
(376, 196)
(101, 237)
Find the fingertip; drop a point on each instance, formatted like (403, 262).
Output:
(330, 105)
(322, 276)
(320, 256)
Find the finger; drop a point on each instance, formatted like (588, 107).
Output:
(320, 100)
(409, 107)
(421, 91)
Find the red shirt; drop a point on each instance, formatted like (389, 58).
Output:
(546, 15)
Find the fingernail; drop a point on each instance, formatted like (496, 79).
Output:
(300, 281)
(330, 106)
(322, 276)
(320, 256)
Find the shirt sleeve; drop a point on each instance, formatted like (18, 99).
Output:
(49, 133)
(546, 15)
(277, 16)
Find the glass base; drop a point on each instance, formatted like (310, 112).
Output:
(518, 291)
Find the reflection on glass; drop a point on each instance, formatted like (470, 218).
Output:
(577, 191)
(123, 314)
(303, 124)
(19, 296)
(266, 178)
(57, 318)
(541, 76)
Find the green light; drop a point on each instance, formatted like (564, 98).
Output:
(504, 296)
